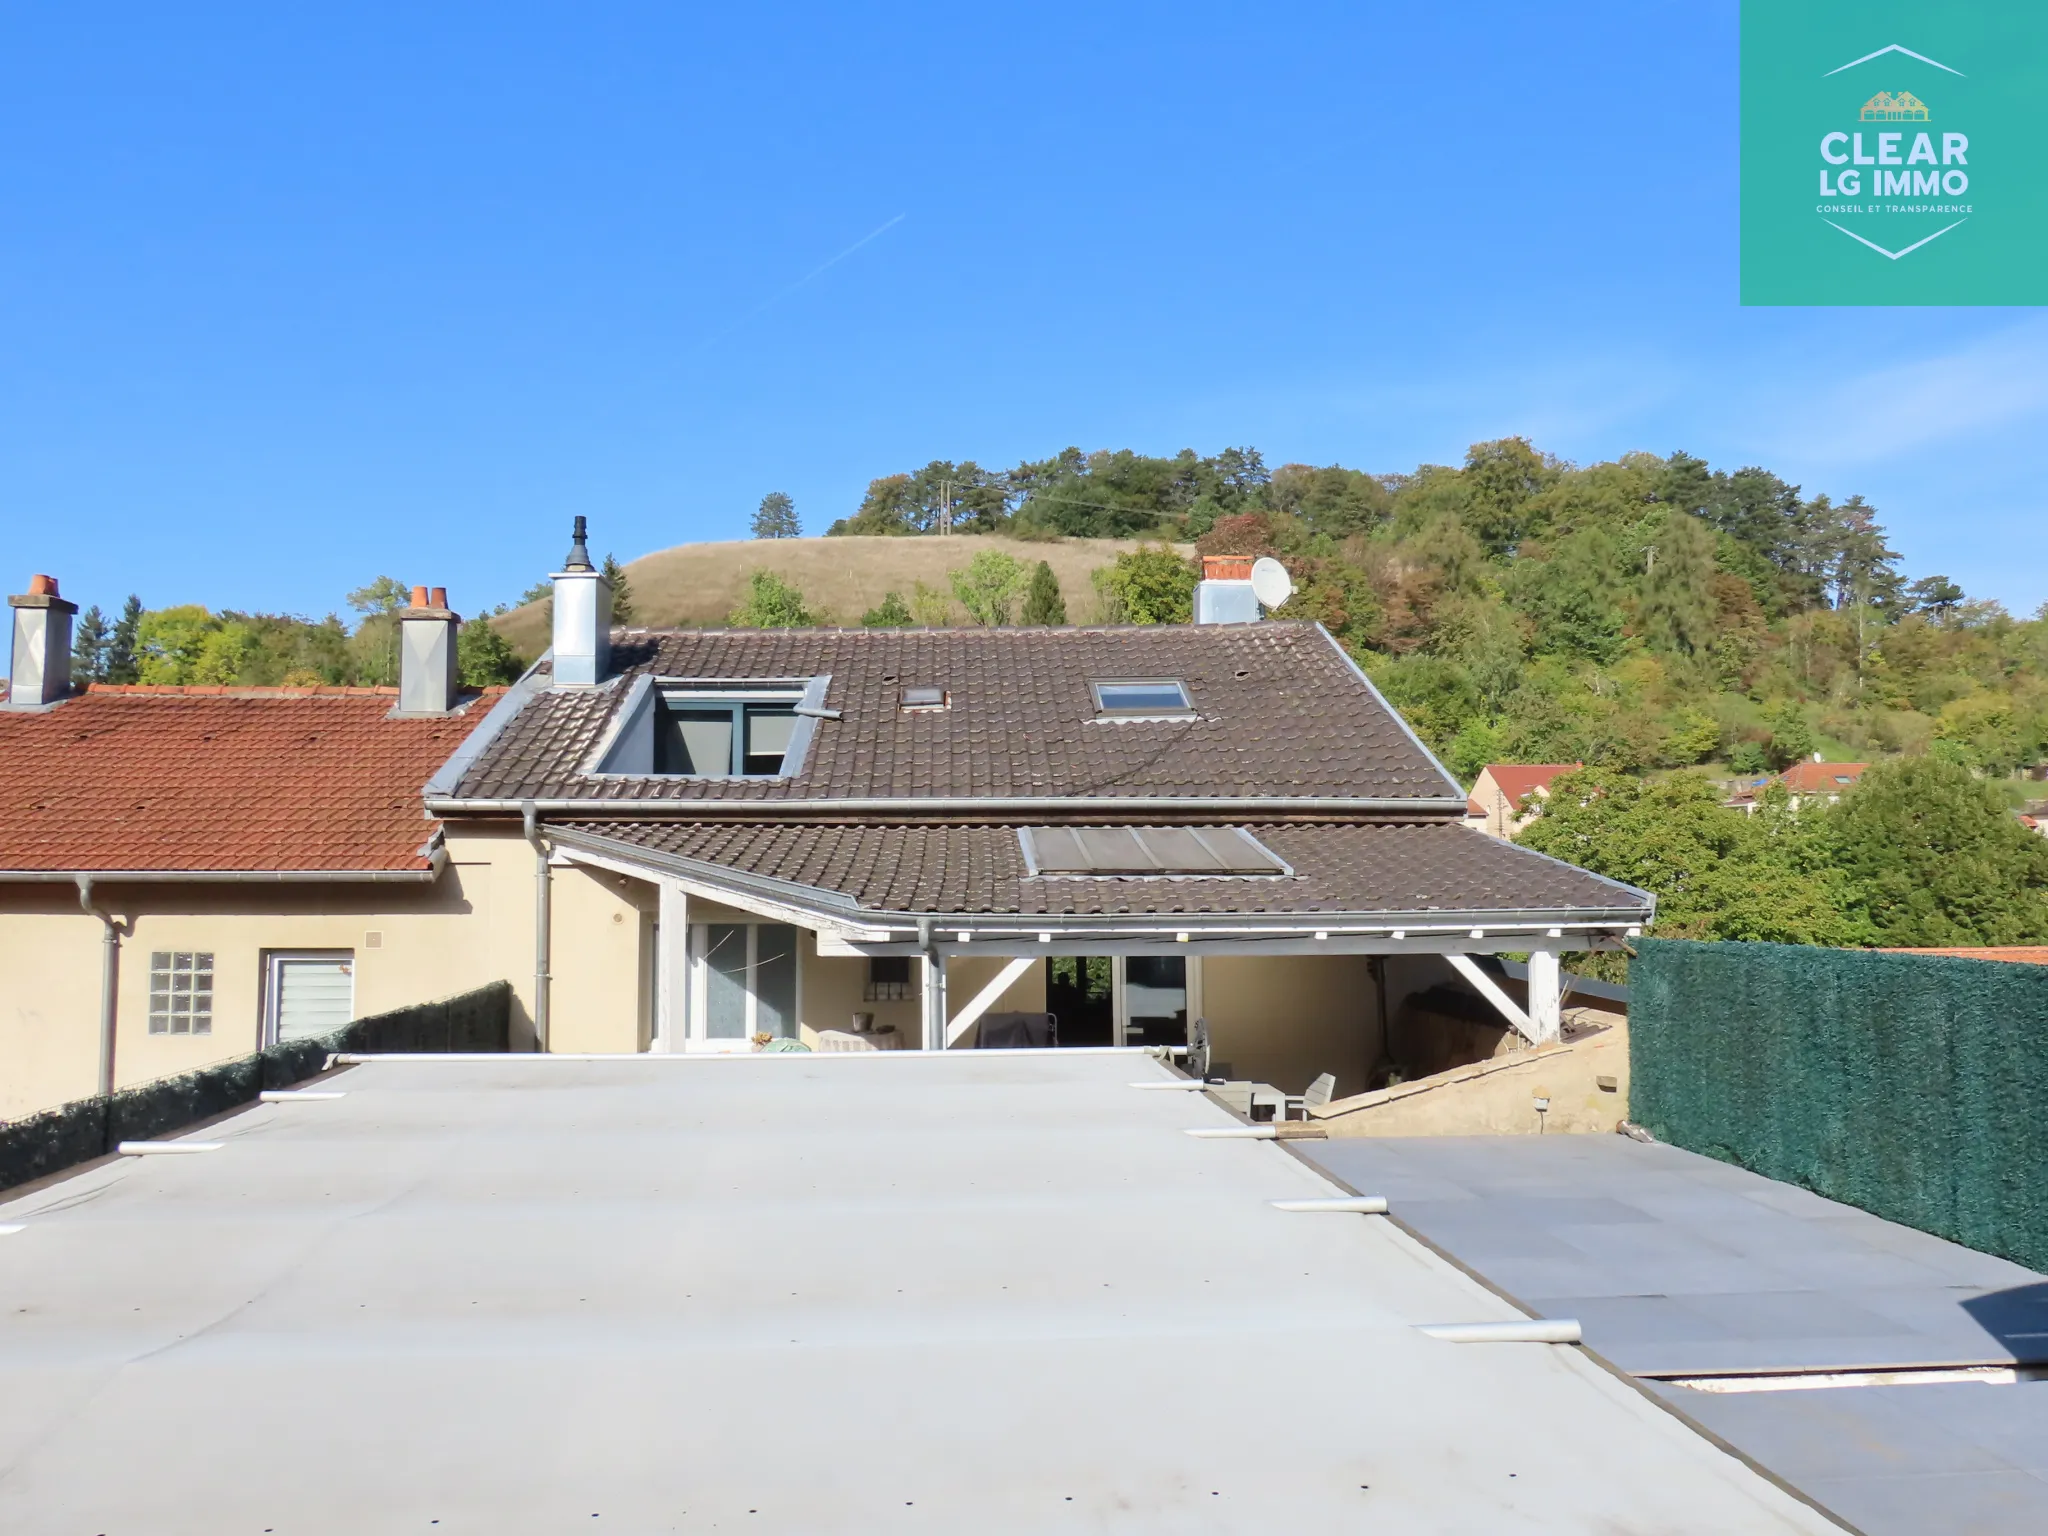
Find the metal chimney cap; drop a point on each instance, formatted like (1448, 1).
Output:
(579, 551)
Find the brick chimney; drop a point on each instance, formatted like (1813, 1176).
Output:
(39, 669)
(583, 616)
(1224, 595)
(427, 678)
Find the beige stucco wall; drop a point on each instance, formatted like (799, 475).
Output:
(1287, 1019)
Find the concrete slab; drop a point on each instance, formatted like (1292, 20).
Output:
(790, 1293)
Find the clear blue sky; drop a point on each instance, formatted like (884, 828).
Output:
(288, 301)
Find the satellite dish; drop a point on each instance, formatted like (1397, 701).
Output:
(1271, 584)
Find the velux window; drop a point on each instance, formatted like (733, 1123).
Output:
(1155, 696)
(723, 733)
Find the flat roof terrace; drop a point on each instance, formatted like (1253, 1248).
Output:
(984, 1292)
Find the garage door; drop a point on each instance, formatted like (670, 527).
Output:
(314, 996)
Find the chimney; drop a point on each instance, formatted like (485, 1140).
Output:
(39, 670)
(583, 616)
(1224, 595)
(427, 678)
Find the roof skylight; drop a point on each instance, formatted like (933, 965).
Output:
(1146, 851)
(1150, 696)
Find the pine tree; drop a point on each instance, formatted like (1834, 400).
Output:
(777, 518)
(1043, 604)
(123, 662)
(483, 656)
(89, 648)
(622, 591)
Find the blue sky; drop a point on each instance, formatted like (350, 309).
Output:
(289, 300)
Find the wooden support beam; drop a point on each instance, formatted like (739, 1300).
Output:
(1489, 989)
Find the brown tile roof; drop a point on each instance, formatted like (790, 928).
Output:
(1435, 868)
(222, 779)
(1280, 712)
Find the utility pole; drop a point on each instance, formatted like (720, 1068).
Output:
(945, 506)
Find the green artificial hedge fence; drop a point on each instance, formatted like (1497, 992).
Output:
(88, 1128)
(1912, 1086)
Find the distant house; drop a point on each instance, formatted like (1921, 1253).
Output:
(1494, 806)
(1813, 780)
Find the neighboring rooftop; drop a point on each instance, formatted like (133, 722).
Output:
(1811, 778)
(785, 1293)
(1515, 780)
(1277, 711)
(163, 779)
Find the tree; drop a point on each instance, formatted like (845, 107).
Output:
(890, 613)
(1748, 758)
(1933, 858)
(1152, 585)
(776, 518)
(988, 588)
(1678, 609)
(483, 657)
(89, 647)
(1936, 595)
(770, 603)
(382, 595)
(1043, 604)
(169, 641)
(1716, 874)
(1791, 737)
(123, 662)
(1476, 744)
(622, 591)
(929, 606)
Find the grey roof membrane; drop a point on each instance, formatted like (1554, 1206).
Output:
(783, 1293)
(1677, 1263)
(1680, 1265)
(1278, 711)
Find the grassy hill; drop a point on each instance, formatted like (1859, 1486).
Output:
(841, 578)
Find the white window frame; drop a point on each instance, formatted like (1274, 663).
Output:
(273, 989)
(697, 1013)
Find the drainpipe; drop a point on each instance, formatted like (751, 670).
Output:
(110, 978)
(933, 995)
(541, 880)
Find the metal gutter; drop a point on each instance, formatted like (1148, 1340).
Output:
(110, 977)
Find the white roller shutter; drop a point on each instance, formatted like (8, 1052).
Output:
(314, 997)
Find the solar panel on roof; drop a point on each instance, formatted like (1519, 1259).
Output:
(1146, 851)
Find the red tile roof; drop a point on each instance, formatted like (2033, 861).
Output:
(228, 779)
(1811, 778)
(1515, 780)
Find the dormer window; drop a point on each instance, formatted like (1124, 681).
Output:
(1142, 697)
(703, 735)
(705, 729)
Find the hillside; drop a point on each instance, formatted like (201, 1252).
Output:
(841, 578)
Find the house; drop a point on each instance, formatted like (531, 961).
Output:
(701, 841)
(1813, 780)
(1495, 804)
(189, 873)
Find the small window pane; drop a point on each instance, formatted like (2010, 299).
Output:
(725, 980)
(924, 698)
(775, 980)
(769, 730)
(1141, 698)
(694, 741)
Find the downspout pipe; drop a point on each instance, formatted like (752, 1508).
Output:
(110, 977)
(934, 1006)
(530, 822)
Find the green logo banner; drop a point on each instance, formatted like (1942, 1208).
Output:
(1889, 152)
